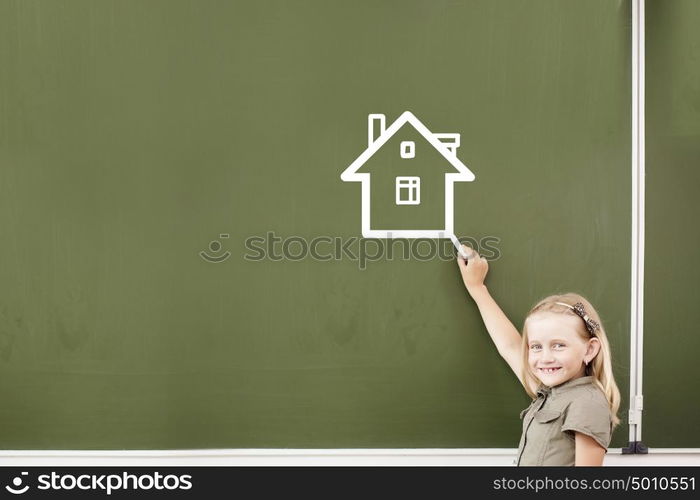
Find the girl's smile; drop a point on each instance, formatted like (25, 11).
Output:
(556, 351)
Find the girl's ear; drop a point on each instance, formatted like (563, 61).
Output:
(592, 350)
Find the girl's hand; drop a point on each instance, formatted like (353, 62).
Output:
(473, 270)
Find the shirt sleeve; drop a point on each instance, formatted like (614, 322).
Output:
(590, 416)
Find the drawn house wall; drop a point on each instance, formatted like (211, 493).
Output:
(407, 174)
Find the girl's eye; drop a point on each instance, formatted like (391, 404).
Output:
(558, 346)
(535, 347)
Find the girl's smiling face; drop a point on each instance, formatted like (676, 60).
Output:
(556, 351)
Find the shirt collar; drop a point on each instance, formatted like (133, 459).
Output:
(561, 388)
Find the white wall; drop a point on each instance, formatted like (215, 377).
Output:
(297, 457)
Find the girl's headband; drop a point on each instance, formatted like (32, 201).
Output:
(591, 325)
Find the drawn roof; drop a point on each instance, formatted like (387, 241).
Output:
(350, 173)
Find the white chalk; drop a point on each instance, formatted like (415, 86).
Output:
(458, 246)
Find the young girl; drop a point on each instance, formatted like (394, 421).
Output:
(563, 361)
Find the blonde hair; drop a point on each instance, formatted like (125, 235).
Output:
(599, 367)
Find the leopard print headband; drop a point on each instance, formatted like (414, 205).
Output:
(591, 326)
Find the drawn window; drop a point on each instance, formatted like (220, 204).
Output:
(408, 149)
(408, 190)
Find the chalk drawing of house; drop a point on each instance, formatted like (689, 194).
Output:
(429, 166)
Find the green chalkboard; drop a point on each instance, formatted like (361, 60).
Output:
(142, 141)
(671, 342)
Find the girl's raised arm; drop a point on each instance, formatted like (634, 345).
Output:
(503, 333)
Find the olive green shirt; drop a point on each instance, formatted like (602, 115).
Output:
(551, 420)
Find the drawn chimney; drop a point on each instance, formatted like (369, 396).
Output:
(376, 125)
(451, 141)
